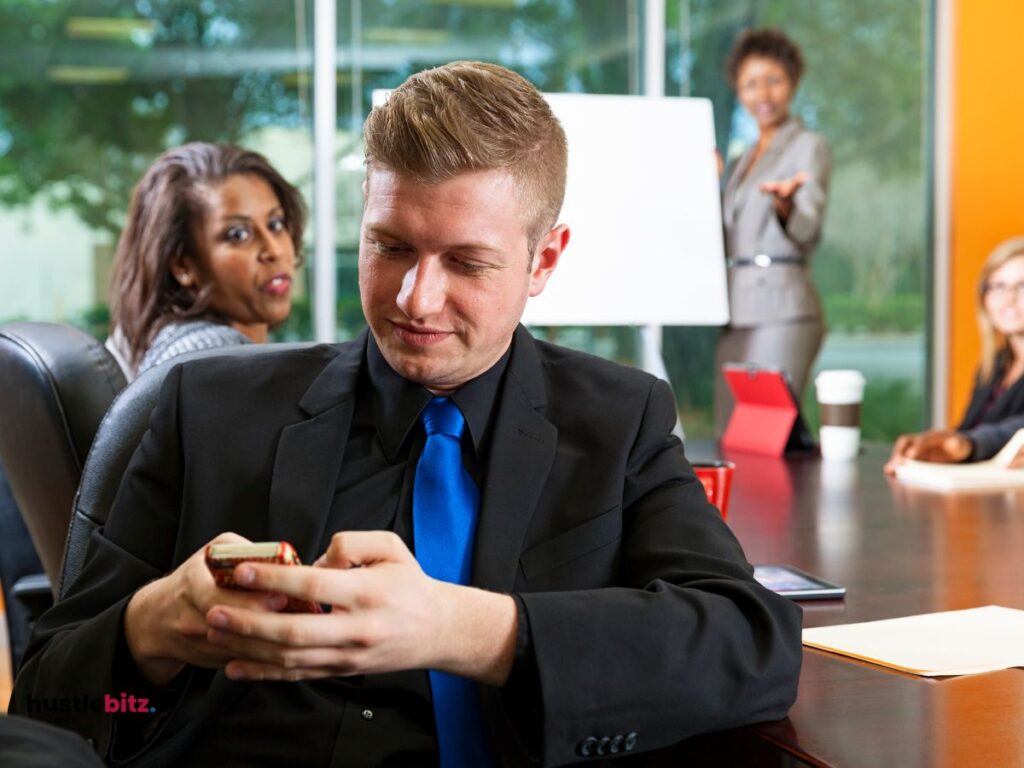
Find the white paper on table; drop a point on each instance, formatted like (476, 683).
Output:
(947, 643)
(979, 475)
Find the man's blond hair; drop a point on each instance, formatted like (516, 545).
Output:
(474, 116)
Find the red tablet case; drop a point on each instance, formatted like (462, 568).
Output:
(765, 418)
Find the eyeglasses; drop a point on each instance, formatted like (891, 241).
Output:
(1004, 290)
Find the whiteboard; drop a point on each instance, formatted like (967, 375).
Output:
(644, 213)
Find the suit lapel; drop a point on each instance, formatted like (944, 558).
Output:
(764, 169)
(310, 452)
(522, 452)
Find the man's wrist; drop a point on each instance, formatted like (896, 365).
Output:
(138, 622)
(478, 636)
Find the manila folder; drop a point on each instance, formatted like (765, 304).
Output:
(933, 644)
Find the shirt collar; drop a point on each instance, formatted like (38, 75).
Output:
(397, 402)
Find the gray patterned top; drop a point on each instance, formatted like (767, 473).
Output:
(191, 336)
(178, 338)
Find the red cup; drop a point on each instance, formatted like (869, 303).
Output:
(717, 479)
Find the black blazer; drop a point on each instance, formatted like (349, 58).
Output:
(990, 430)
(644, 615)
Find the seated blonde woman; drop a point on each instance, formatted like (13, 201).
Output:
(996, 409)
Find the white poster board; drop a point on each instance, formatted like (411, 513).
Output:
(644, 211)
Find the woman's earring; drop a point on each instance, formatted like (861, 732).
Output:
(184, 278)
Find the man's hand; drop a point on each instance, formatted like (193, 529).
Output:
(386, 615)
(165, 621)
(783, 191)
(938, 445)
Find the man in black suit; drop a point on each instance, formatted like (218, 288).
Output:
(609, 607)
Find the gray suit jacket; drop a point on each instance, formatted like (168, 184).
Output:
(780, 292)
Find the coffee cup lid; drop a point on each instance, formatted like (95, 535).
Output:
(840, 377)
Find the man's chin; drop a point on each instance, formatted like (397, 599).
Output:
(427, 377)
(418, 365)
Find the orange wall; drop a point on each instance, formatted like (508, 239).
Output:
(987, 171)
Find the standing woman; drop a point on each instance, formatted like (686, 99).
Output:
(207, 256)
(773, 209)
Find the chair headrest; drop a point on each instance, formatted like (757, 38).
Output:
(65, 366)
(56, 382)
(116, 440)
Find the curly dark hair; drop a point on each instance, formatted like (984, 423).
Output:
(770, 43)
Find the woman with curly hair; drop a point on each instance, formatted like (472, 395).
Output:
(773, 208)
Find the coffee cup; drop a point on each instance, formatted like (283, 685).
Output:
(840, 394)
(716, 477)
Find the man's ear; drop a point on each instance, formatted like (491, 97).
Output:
(549, 251)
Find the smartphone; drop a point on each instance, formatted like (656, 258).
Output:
(796, 584)
(221, 559)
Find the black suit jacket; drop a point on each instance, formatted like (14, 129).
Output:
(643, 612)
(989, 430)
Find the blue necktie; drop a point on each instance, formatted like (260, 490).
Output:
(444, 509)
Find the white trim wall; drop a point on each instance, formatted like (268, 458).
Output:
(942, 163)
(325, 120)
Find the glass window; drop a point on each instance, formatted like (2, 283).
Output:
(586, 46)
(92, 91)
(122, 81)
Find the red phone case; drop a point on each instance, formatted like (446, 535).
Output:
(223, 570)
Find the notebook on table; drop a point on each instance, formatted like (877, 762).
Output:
(994, 474)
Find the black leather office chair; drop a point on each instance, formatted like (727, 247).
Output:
(116, 440)
(56, 383)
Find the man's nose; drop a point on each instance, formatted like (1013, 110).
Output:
(424, 288)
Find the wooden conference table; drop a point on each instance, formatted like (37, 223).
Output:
(898, 551)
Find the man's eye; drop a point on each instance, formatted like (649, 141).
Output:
(469, 267)
(388, 250)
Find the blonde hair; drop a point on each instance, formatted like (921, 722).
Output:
(474, 116)
(993, 343)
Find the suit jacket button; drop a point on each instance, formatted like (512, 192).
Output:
(631, 738)
(367, 714)
(616, 746)
(586, 747)
(602, 746)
